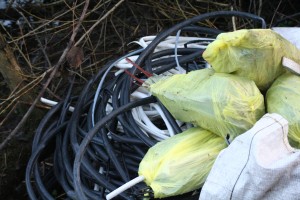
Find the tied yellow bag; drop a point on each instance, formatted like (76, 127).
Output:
(222, 103)
(181, 163)
(283, 98)
(255, 54)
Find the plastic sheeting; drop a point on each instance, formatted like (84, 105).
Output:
(283, 98)
(289, 33)
(255, 54)
(181, 163)
(222, 103)
(259, 164)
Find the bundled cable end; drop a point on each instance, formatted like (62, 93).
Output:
(134, 77)
(148, 74)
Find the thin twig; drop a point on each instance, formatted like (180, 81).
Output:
(55, 68)
(275, 12)
(8, 114)
(233, 20)
(259, 8)
(99, 21)
(15, 98)
(36, 37)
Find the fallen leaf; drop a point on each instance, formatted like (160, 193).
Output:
(75, 56)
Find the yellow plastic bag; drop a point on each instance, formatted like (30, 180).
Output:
(221, 103)
(181, 163)
(254, 53)
(283, 98)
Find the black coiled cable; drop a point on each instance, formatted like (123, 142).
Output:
(89, 161)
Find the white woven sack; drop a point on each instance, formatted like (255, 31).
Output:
(259, 164)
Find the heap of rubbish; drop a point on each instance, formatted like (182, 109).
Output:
(152, 123)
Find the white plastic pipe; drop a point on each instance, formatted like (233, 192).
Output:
(53, 103)
(124, 187)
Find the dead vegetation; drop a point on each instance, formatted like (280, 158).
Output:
(46, 42)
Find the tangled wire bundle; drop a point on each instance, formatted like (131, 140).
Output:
(97, 145)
